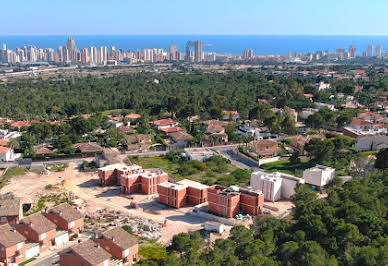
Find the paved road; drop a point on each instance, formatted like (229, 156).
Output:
(49, 261)
(237, 160)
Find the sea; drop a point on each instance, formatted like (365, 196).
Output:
(221, 44)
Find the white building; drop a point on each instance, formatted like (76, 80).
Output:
(214, 227)
(6, 154)
(199, 154)
(372, 143)
(275, 186)
(319, 175)
(322, 86)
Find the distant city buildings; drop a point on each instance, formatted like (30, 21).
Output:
(69, 54)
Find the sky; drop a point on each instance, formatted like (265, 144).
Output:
(148, 17)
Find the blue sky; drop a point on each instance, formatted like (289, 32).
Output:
(295, 17)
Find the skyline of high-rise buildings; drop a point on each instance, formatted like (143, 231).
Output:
(70, 54)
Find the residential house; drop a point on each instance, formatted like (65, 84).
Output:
(361, 128)
(299, 142)
(87, 147)
(306, 112)
(322, 86)
(372, 143)
(115, 121)
(11, 211)
(120, 244)
(164, 123)
(319, 176)
(370, 117)
(215, 134)
(44, 149)
(233, 115)
(275, 186)
(179, 139)
(87, 253)
(325, 105)
(6, 154)
(12, 246)
(132, 117)
(37, 228)
(19, 124)
(265, 148)
(138, 142)
(66, 218)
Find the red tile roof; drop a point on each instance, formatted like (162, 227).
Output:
(308, 95)
(133, 116)
(4, 150)
(164, 122)
(20, 124)
(360, 122)
(171, 129)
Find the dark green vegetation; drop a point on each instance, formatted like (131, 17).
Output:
(181, 94)
(289, 167)
(214, 170)
(350, 227)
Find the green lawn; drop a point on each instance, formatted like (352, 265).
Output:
(287, 167)
(27, 261)
(207, 176)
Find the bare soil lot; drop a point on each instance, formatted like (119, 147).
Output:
(31, 186)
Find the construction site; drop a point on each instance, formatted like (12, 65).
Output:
(155, 206)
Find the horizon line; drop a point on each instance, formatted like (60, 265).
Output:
(204, 34)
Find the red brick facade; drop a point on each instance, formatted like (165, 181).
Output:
(133, 179)
(12, 254)
(44, 239)
(172, 195)
(228, 203)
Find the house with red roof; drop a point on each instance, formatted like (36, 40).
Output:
(362, 128)
(164, 123)
(6, 154)
(234, 115)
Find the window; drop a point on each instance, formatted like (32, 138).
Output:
(19, 246)
(126, 253)
(71, 224)
(3, 219)
(43, 236)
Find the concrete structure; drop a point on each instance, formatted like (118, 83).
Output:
(229, 202)
(196, 192)
(183, 192)
(372, 143)
(275, 186)
(142, 180)
(319, 176)
(199, 154)
(214, 227)
(12, 246)
(6, 154)
(11, 211)
(164, 123)
(66, 218)
(172, 194)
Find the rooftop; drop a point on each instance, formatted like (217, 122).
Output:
(175, 186)
(9, 237)
(91, 252)
(4, 150)
(10, 207)
(67, 212)
(38, 223)
(120, 237)
(164, 122)
(193, 184)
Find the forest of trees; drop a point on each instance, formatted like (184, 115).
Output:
(350, 227)
(183, 94)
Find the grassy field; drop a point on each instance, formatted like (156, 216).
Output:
(209, 175)
(11, 173)
(152, 251)
(287, 167)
